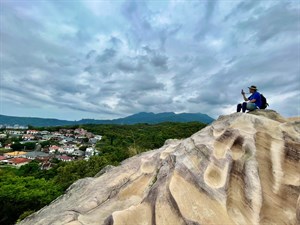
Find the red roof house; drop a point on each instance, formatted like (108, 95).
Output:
(18, 161)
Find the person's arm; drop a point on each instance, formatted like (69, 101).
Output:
(246, 99)
(253, 100)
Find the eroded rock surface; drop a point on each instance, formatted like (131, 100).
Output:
(242, 169)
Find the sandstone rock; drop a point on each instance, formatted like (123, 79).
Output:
(242, 169)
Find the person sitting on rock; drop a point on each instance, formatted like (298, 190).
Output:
(252, 102)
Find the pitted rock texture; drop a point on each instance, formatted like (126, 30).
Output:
(242, 169)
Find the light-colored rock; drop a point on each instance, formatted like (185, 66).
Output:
(242, 169)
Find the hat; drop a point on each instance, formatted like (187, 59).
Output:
(253, 87)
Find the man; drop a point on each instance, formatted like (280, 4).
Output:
(252, 102)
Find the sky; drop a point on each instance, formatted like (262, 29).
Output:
(110, 59)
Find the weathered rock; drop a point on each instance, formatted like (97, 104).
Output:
(242, 169)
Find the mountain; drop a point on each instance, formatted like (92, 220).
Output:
(34, 121)
(244, 168)
(142, 117)
(151, 118)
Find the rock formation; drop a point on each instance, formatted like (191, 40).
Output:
(242, 169)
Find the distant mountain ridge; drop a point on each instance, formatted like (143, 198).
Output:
(142, 117)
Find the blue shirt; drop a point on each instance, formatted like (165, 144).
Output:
(256, 95)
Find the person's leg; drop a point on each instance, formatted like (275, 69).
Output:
(251, 106)
(239, 107)
(244, 107)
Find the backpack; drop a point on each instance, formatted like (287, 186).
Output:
(264, 103)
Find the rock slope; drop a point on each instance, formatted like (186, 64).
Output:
(242, 169)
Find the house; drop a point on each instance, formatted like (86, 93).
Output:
(98, 137)
(15, 132)
(53, 148)
(89, 135)
(90, 151)
(65, 158)
(47, 137)
(28, 137)
(32, 132)
(57, 134)
(93, 140)
(67, 149)
(14, 154)
(36, 154)
(66, 140)
(3, 160)
(80, 131)
(65, 131)
(18, 161)
(7, 146)
(78, 153)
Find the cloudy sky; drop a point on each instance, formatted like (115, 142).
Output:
(110, 59)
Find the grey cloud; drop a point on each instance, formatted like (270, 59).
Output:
(147, 84)
(213, 97)
(245, 5)
(205, 23)
(242, 7)
(90, 54)
(103, 64)
(142, 29)
(269, 24)
(58, 62)
(129, 65)
(116, 42)
(107, 55)
(136, 13)
(156, 57)
(169, 31)
(159, 61)
(210, 7)
(152, 99)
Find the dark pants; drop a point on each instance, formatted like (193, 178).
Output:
(242, 106)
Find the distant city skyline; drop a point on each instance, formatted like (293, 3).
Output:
(109, 59)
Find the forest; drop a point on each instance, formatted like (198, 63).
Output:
(27, 189)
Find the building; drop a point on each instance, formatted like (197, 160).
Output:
(15, 154)
(18, 161)
(53, 148)
(15, 132)
(32, 132)
(65, 158)
(78, 153)
(7, 146)
(28, 137)
(36, 154)
(69, 149)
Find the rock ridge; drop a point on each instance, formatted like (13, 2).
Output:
(242, 169)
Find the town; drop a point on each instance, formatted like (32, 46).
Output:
(20, 145)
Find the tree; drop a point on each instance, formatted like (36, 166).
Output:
(30, 169)
(20, 194)
(29, 145)
(17, 146)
